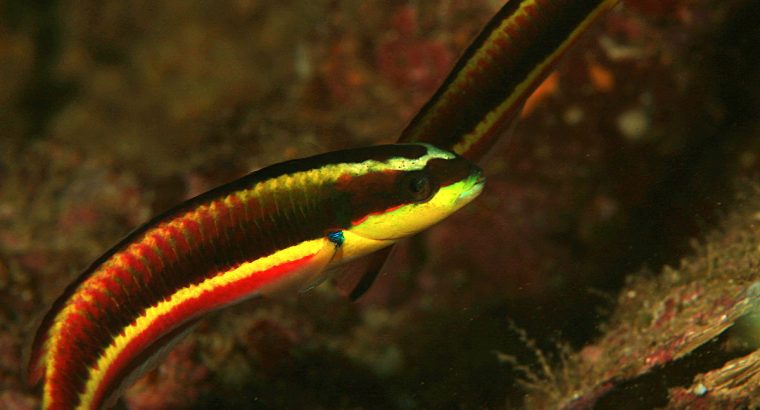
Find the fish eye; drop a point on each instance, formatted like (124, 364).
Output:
(419, 186)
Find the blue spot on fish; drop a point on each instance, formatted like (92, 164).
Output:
(336, 237)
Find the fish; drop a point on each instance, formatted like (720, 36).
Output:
(478, 102)
(488, 86)
(274, 231)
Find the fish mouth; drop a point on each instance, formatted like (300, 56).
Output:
(477, 182)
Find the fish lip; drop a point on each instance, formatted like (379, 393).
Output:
(476, 187)
(481, 177)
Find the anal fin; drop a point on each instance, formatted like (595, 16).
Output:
(147, 360)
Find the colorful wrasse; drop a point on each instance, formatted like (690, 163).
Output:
(278, 228)
(492, 80)
(499, 70)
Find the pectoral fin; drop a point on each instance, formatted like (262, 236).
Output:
(374, 267)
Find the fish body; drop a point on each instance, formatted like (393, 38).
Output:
(488, 86)
(500, 69)
(276, 229)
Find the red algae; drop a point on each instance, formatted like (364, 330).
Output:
(177, 383)
(409, 62)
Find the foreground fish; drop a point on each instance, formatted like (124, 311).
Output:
(493, 78)
(276, 229)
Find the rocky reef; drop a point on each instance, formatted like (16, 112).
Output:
(612, 259)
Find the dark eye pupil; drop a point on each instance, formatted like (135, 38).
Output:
(418, 185)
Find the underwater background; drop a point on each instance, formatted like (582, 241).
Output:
(612, 262)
